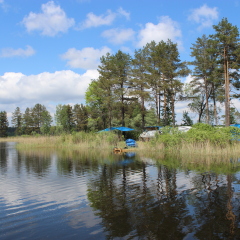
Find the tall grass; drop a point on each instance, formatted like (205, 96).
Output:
(80, 140)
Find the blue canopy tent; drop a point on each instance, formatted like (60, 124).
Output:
(107, 129)
(129, 142)
(123, 129)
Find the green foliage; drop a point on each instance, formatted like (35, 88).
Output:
(80, 116)
(202, 126)
(3, 124)
(64, 117)
(187, 121)
(46, 120)
(200, 133)
(17, 121)
(170, 137)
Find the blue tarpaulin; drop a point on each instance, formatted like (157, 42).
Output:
(107, 129)
(131, 143)
(123, 129)
(235, 125)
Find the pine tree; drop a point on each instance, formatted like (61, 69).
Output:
(80, 115)
(203, 70)
(228, 50)
(46, 120)
(37, 116)
(121, 63)
(17, 121)
(3, 124)
(139, 82)
(172, 69)
(28, 124)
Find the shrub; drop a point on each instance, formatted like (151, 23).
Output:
(201, 134)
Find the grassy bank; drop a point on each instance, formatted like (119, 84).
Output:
(80, 140)
(202, 143)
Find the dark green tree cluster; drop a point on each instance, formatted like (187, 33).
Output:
(33, 120)
(70, 118)
(127, 85)
(3, 124)
(38, 120)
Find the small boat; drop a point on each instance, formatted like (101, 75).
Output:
(123, 150)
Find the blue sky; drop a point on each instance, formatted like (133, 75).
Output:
(50, 50)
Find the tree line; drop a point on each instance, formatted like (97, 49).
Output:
(143, 89)
(38, 120)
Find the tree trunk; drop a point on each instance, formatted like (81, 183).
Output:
(156, 105)
(173, 110)
(165, 108)
(159, 108)
(227, 106)
(214, 106)
(143, 112)
(207, 95)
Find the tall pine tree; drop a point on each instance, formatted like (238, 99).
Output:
(228, 49)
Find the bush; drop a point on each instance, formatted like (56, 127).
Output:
(200, 133)
(204, 133)
(170, 137)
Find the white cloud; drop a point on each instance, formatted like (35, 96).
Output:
(164, 30)
(10, 52)
(126, 14)
(87, 58)
(96, 21)
(119, 36)
(204, 16)
(57, 87)
(50, 22)
(236, 103)
(93, 20)
(188, 79)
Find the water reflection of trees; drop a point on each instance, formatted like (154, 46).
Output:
(134, 208)
(216, 208)
(67, 162)
(3, 157)
(135, 205)
(32, 162)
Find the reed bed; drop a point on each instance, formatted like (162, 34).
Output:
(81, 140)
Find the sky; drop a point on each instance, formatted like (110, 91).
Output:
(50, 49)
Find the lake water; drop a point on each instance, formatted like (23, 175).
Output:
(62, 196)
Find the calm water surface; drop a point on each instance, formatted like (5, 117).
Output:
(56, 196)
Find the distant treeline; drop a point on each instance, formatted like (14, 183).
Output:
(38, 120)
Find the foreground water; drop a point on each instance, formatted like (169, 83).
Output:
(57, 196)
